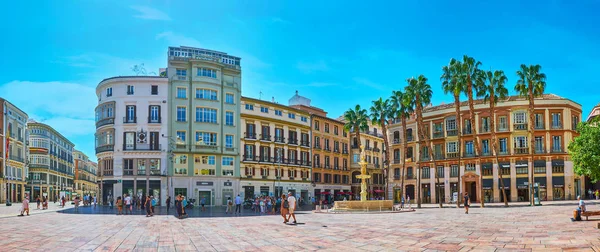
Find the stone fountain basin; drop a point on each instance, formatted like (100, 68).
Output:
(369, 205)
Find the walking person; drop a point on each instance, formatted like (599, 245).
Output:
(168, 203)
(25, 207)
(229, 205)
(284, 208)
(38, 202)
(292, 206)
(62, 201)
(238, 204)
(467, 203)
(119, 206)
(128, 207)
(76, 203)
(152, 204)
(178, 207)
(408, 202)
(202, 203)
(148, 207)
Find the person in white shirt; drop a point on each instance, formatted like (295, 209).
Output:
(127, 204)
(292, 206)
(238, 204)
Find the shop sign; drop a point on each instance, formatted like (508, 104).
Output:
(227, 183)
(558, 186)
(204, 183)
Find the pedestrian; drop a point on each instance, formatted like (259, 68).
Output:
(183, 202)
(25, 206)
(408, 202)
(229, 205)
(62, 201)
(292, 206)
(148, 207)
(202, 203)
(45, 204)
(278, 205)
(38, 201)
(119, 206)
(238, 204)
(467, 203)
(76, 203)
(261, 202)
(152, 204)
(95, 202)
(590, 193)
(128, 207)
(168, 203)
(284, 208)
(178, 207)
(402, 203)
(55, 197)
(110, 203)
(597, 194)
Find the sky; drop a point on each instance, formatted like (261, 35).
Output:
(337, 53)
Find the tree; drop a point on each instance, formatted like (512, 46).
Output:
(401, 109)
(419, 94)
(585, 150)
(531, 84)
(356, 119)
(470, 75)
(493, 91)
(451, 84)
(381, 112)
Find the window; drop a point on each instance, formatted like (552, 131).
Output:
(503, 146)
(206, 115)
(181, 93)
(454, 171)
(521, 142)
(485, 146)
(335, 130)
(130, 113)
(206, 160)
(556, 144)
(141, 167)
(440, 171)
(181, 114)
(264, 109)
(539, 144)
(227, 161)
(228, 141)
(229, 118)
(425, 173)
(154, 113)
(206, 138)
(355, 158)
(181, 136)
(556, 121)
(326, 127)
(182, 159)
(130, 90)
(229, 99)
(154, 90)
(304, 119)
(206, 94)
(205, 72)
(503, 123)
(469, 148)
(291, 115)
(181, 72)
(451, 124)
(485, 124)
(539, 121)
(127, 166)
(452, 147)
(316, 125)
(278, 112)
(470, 167)
(520, 118)
(109, 92)
(249, 107)
(574, 122)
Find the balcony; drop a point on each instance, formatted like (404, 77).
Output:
(539, 125)
(304, 143)
(467, 131)
(502, 128)
(520, 126)
(368, 148)
(556, 125)
(452, 155)
(105, 121)
(484, 129)
(345, 151)
(336, 167)
(142, 147)
(181, 77)
(130, 119)
(468, 155)
(344, 168)
(486, 153)
(17, 158)
(539, 151)
(439, 156)
(265, 159)
(377, 166)
(396, 161)
(354, 147)
(293, 141)
(327, 166)
(503, 153)
(453, 132)
(336, 150)
(154, 119)
(250, 135)
(105, 148)
(250, 158)
(327, 149)
(265, 138)
(207, 146)
(279, 139)
(557, 150)
(318, 165)
(410, 176)
(317, 147)
(180, 146)
(396, 177)
(521, 150)
(438, 134)
(376, 149)
(396, 141)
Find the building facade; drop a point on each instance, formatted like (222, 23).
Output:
(51, 164)
(13, 165)
(372, 140)
(131, 142)
(85, 175)
(556, 119)
(204, 119)
(276, 150)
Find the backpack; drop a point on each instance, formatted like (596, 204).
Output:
(153, 202)
(229, 203)
(286, 204)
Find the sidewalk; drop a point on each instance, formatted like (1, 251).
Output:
(573, 203)
(15, 209)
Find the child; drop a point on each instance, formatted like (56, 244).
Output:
(119, 205)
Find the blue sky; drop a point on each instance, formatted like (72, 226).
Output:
(338, 54)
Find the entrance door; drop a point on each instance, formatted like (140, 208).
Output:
(473, 193)
(303, 195)
(206, 195)
(410, 191)
(154, 140)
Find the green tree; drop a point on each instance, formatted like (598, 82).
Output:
(493, 91)
(401, 110)
(381, 112)
(452, 85)
(357, 120)
(585, 150)
(419, 93)
(531, 84)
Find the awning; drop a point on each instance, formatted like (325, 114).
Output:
(558, 162)
(488, 184)
(325, 193)
(349, 193)
(487, 165)
(340, 193)
(541, 181)
(506, 183)
(539, 163)
(378, 191)
(558, 181)
(520, 164)
(504, 165)
(522, 183)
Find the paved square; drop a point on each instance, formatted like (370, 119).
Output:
(543, 228)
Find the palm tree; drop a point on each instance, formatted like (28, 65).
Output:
(402, 110)
(493, 91)
(452, 85)
(419, 93)
(357, 120)
(470, 76)
(381, 112)
(531, 83)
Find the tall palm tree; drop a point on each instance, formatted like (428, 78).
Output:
(494, 91)
(381, 112)
(356, 119)
(451, 84)
(531, 83)
(470, 75)
(419, 93)
(401, 109)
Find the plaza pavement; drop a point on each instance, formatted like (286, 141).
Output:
(545, 228)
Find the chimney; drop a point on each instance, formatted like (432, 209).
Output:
(273, 99)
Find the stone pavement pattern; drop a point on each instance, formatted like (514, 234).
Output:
(546, 228)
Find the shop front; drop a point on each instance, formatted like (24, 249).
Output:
(523, 189)
(541, 181)
(425, 191)
(558, 187)
(488, 192)
(507, 183)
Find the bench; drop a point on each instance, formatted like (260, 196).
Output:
(589, 213)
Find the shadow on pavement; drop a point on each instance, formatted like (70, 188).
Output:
(210, 212)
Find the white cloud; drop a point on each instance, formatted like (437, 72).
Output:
(145, 12)
(309, 67)
(368, 83)
(175, 39)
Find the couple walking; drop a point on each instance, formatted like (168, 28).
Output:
(288, 207)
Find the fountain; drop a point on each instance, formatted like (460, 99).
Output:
(363, 204)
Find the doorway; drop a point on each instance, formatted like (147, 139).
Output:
(471, 188)
(249, 192)
(207, 195)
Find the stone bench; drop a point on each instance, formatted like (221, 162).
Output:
(587, 214)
